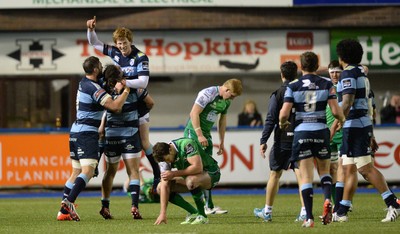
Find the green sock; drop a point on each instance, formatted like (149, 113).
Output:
(208, 198)
(178, 200)
(197, 195)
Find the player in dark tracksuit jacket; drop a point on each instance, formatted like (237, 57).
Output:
(279, 158)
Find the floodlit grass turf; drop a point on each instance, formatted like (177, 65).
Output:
(38, 215)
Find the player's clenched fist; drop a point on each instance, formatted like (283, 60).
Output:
(91, 23)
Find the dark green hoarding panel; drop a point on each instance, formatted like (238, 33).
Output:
(381, 47)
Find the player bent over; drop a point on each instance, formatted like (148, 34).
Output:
(196, 171)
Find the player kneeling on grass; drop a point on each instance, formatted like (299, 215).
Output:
(195, 171)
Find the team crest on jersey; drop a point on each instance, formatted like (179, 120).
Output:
(189, 149)
(116, 59)
(145, 65)
(346, 83)
(132, 62)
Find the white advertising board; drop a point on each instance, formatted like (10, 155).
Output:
(173, 52)
(241, 163)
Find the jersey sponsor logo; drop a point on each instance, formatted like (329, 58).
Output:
(202, 101)
(189, 149)
(299, 40)
(129, 147)
(346, 83)
(80, 151)
(304, 153)
(145, 65)
(307, 83)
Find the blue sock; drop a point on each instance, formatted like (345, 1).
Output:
(307, 193)
(79, 185)
(134, 190)
(326, 184)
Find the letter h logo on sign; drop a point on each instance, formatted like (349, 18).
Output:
(38, 54)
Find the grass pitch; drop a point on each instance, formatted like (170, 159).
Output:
(38, 215)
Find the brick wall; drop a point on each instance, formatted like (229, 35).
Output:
(200, 18)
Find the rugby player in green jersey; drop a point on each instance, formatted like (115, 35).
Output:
(194, 171)
(210, 106)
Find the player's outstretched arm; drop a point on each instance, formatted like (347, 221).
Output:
(92, 36)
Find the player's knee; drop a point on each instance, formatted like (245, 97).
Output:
(190, 183)
(276, 174)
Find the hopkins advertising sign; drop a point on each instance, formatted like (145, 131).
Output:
(381, 47)
(180, 52)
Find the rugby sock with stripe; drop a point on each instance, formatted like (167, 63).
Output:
(105, 202)
(326, 184)
(390, 199)
(79, 185)
(67, 189)
(134, 191)
(307, 193)
(339, 195)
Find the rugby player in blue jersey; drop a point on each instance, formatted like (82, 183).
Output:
(135, 65)
(91, 100)
(309, 95)
(356, 152)
(122, 140)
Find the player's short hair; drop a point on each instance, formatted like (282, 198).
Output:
(234, 85)
(160, 150)
(309, 61)
(112, 75)
(334, 64)
(122, 32)
(289, 70)
(349, 51)
(90, 64)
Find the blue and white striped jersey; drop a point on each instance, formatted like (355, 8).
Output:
(126, 123)
(89, 106)
(354, 81)
(309, 95)
(134, 65)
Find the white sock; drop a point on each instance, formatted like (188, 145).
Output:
(303, 211)
(268, 209)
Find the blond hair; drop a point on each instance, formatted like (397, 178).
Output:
(234, 85)
(122, 32)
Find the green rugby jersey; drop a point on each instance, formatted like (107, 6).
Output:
(212, 105)
(337, 138)
(187, 148)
